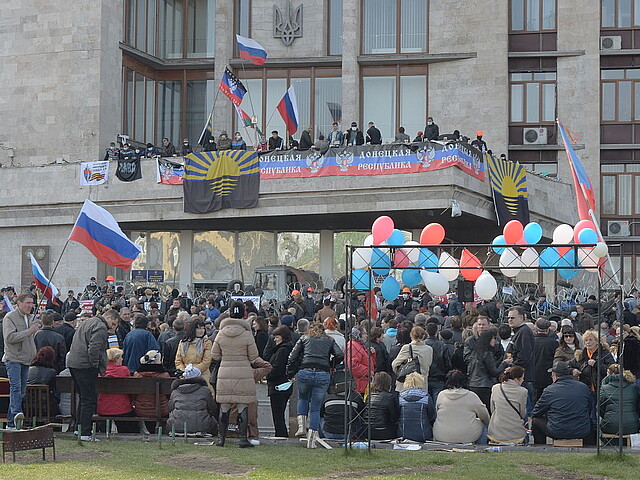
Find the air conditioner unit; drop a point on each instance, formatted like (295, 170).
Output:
(618, 228)
(535, 136)
(613, 42)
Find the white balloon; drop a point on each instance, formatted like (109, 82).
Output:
(530, 259)
(587, 259)
(368, 241)
(510, 262)
(412, 253)
(563, 234)
(449, 273)
(600, 250)
(486, 286)
(435, 283)
(361, 258)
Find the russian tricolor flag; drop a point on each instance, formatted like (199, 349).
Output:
(97, 230)
(6, 304)
(48, 289)
(251, 50)
(288, 108)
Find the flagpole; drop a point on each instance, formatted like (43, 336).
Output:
(615, 273)
(50, 278)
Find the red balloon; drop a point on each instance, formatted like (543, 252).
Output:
(400, 259)
(382, 229)
(432, 234)
(581, 225)
(562, 250)
(470, 266)
(513, 231)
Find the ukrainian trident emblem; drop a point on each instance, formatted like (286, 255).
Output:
(287, 26)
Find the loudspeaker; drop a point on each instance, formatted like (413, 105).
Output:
(465, 290)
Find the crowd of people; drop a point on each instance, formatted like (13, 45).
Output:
(415, 368)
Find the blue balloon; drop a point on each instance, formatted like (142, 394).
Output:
(548, 258)
(396, 238)
(567, 260)
(532, 233)
(361, 280)
(428, 260)
(411, 277)
(390, 289)
(588, 236)
(499, 240)
(380, 262)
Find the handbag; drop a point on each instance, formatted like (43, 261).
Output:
(411, 365)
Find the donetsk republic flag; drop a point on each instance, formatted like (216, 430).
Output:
(509, 189)
(216, 180)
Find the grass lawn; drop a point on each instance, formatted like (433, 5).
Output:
(118, 459)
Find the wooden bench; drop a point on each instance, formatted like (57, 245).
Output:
(562, 442)
(156, 386)
(614, 436)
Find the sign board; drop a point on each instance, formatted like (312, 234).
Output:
(147, 276)
(155, 276)
(254, 299)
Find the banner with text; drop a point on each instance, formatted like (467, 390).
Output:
(372, 160)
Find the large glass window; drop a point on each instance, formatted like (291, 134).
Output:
(170, 111)
(620, 13)
(328, 104)
(620, 95)
(258, 250)
(276, 88)
(533, 97)
(139, 106)
(394, 26)
(201, 28)
(413, 104)
(243, 18)
(335, 27)
(620, 189)
(299, 250)
(532, 15)
(199, 103)
(141, 25)
(170, 20)
(160, 251)
(213, 257)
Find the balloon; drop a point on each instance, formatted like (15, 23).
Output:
(548, 258)
(412, 253)
(435, 283)
(448, 267)
(532, 233)
(601, 250)
(530, 259)
(563, 234)
(513, 232)
(382, 229)
(510, 263)
(390, 289)
(432, 234)
(361, 258)
(486, 286)
(427, 259)
(499, 240)
(470, 266)
(400, 258)
(361, 280)
(587, 259)
(567, 260)
(588, 236)
(380, 262)
(581, 225)
(411, 277)
(396, 238)
(368, 241)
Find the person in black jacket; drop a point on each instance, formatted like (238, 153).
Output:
(544, 349)
(48, 337)
(564, 410)
(305, 139)
(278, 397)
(374, 137)
(482, 369)
(383, 364)
(354, 136)
(171, 346)
(383, 412)
(441, 363)
(431, 131)
(68, 328)
(522, 349)
(71, 304)
(332, 411)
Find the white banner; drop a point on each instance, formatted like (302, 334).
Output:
(94, 173)
(254, 299)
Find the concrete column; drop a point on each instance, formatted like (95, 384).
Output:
(326, 254)
(185, 255)
(225, 42)
(350, 68)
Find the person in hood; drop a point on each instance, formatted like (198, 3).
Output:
(169, 149)
(610, 402)
(191, 403)
(417, 412)
(461, 417)
(238, 142)
(186, 148)
(224, 142)
(235, 349)
(210, 146)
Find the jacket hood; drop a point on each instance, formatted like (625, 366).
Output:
(232, 327)
(454, 393)
(413, 394)
(391, 332)
(188, 385)
(614, 380)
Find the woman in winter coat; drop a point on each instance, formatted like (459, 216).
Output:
(383, 411)
(117, 404)
(461, 416)
(420, 349)
(235, 348)
(585, 364)
(569, 344)
(631, 352)
(360, 359)
(610, 402)
(195, 349)
(191, 403)
(278, 398)
(508, 408)
(482, 370)
(145, 405)
(417, 411)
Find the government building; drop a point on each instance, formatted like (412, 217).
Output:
(77, 75)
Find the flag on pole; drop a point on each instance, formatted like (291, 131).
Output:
(585, 196)
(6, 304)
(48, 289)
(232, 87)
(207, 132)
(251, 50)
(97, 230)
(509, 189)
(336, 111)
(244, 116)
(288, 108)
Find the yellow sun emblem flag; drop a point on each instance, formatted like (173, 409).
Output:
(216, 180)
(509, 189)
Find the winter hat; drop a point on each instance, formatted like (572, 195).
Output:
(191, 372)
(287, 320)
(236, 310)
(150, 357)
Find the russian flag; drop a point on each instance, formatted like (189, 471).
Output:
(97, 230)
(288, 108)
(251, 50)
(48, 289)
(6, 304)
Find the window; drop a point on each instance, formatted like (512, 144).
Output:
(620, 95)
(620, 13)
(170, 110)
(394, 26)
(533, 97)
(141, 25)
(139, 106)
(243, 18)
(335, 27)
(620, 187)
(200, 95)
(533, 15)
(201, 28)
(170, 23)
